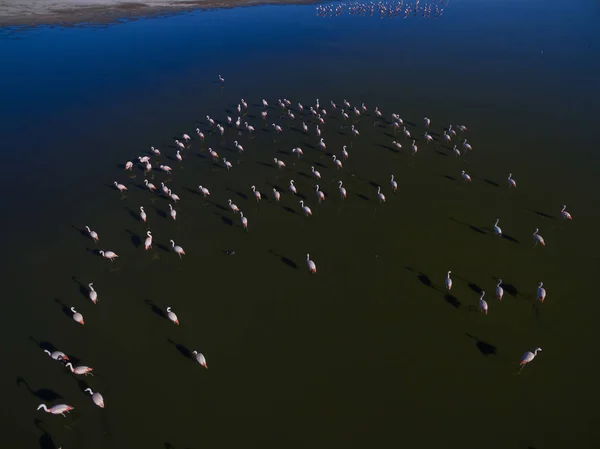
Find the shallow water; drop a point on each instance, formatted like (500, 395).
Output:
(370, 351)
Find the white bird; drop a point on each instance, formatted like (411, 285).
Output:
(171, 315)
(565, 214)
(322, 144)
(244, 220)
(210, 120)
(446, 137)
(499, 290)
(164, 188)
(406, 132)
(199, 357)
(427, 122)
(278, 163)
(466, 146)
(304, 127)
(354, 131)
(200, 134)
(227, 164)
(143, 216)
(306, 209)
(128, 165)
(78, 317)
(148, 241)
(186, 137)
(165, 168)
(59, 409)
(57, 355)
(456, 151)
(178, 156)
(155, 151)
(336, 161)
(276, 195)
(233, 207)
(394, 184)
(93, 295)
(213, 154)
(109, 255)
(315, 173)
(173, 196)
(265, 104)
(277, 128)
(204, 191)
(120, 187)
(221, 79)
(173, 212)
(342, 190)
(312, 267)
(462, 128)
(249, 128)
(93, 234)
(80, 370)
(178, 249)
(397, 144)
(451, 131)
(448, 281)
(96, 397)
(238, 146)
(179, 144)
(528, 357)
(150, 186)
(256, 194)
(377, 111)
(497, 229)
(380, 195)
(264, 115)
(483, 306)
(414, 148)
(298, 151)
(541, 292)
(320, 195)
(292, 187)
(428, 137)
(144, 159)
(538, 238)
(465, 176)
(511, 181)
(345, 154)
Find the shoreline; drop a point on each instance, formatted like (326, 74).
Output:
(34, 13)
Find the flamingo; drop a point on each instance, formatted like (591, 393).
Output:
(93, 235)
(462, 128)
(414, 148)
(173, 196)
(456, 151)
(57, 355)
(276, 195)
(345, 154)
(446, 137)
(233, 207)
(178, 156)
(155, 151)
(346, 103)
(238, 146)
(499, 290)
(394, 184)
(92, 294)
(306, 209)
(150, 186)
(227, 164)
(165, 168)
(315, 173)
(200, 134)
(256, 194)
(337, 162)
(148, 242)
(144, 159)
(451, 131)
(497, 229)
(320, 195)
(298, 151)
(128, 165)
(171, 315)
(322, 144)
(204, 191)
(148, 166)
(448, 281)
(186, 137)
(173, 212)
(264, 115)
(59, 409)
(483, 306)
(78, 317)
(221, 79)
(97, 397)
(199, 357)
(249, 128)
(538, 238)
(354, 131)
(541, 292)
(380, 195)
(465, 176)
(265, 104)
(244, 221)
(80, 370)
(527, 358)
(406, 132)
(291, 115)
(428, 137)
(342, 190)
(213, 154)
(396, 144)
(466, 146)
(210, 120)
(178, 249)
(377, 111)
(179, 144)
(356, 111)
(565, 214)
(427, 122)
(109, 255)
(164, 188)
(120, 187)
(292, 187)
(312, 268)
(277, 128)
(143, 216)
(511, 181)
(364, 108)
(221, 129)
(244, 103)
(318, 131)
(278, 163)
(304, 127)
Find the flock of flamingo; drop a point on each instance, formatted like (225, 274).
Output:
(307, 120)
(383, 9)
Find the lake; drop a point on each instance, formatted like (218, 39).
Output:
(372, 351)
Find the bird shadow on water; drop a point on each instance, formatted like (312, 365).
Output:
(82, 288)
(286, 260)
(473, 228)
(289, 209)
(157, 310)
(183, 350)
(66, 310)
(133, 214)
(492, 183)
(484, 347)
(541, 214)
(226, 220)
(510, 238)
(162, 247)
(45, 394)
(45, 441)
(135, 239)
(82, 231)
(422, 277)
(452, 300)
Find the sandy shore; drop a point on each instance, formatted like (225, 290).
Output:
(70, 12)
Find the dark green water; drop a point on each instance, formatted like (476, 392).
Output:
(370, 352)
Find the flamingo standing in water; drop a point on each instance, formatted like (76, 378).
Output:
(276, 195)
(448, 281)
(541, 292)
(204, 191)
(414, 147)
(380, 195)
(298, 151)
(397, 144)
(527, 358)
(427, 122)
(315, 173)
(97, 397)
(320, 195)
(244, 221)
(345, 154)
(129, 165)
(57, 355)
(227, 164)
(150, 186)
(394, 184)
(173, 212)
(292, 187)
(538, 238)
(148, 242)
(306, 209)
(179, 144)
(511, 181)
(278, 163)
(174, 196)
(483, 306)
(199, 357)
(178, 156)
(80, 370)
(92, 234)
(337, 162)
(565, 214)
(200, 134)
(171, 315)
(466, 146)
(120, 187)
(93, 295)
(233, 207)
(78, 317)
(312, 267)
(497, 229)
(59, 409)
(178, 249)
(499, 290)
(342, 190)
(256, 194)
(465, 176)
(109, 255)
(143, 216)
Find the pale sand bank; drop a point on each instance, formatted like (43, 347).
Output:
(47, 12)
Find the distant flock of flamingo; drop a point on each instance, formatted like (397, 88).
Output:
(383, 10)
